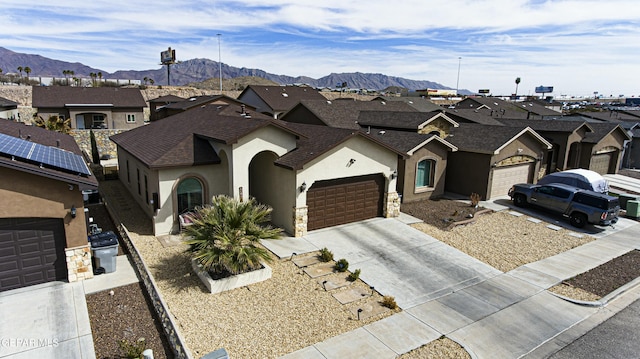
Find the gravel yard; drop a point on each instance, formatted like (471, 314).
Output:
(291, 310)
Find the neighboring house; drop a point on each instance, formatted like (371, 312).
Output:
(91, 107)
(156, 104)
(276, 100)
(312, 176)
(9, 109)
(343, 113)
(529, 109)
(566, 138)
(490, 159)
(602, 149)
(176, 107)
(632, 157)
(43, 229)
(418, 103)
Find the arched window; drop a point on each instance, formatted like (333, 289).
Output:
(190, 195)
(425, 173)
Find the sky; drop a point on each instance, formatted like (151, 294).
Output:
(577, 46)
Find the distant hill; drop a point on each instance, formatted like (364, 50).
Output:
(199, 70)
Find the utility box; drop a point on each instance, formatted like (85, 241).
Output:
(105, 250)
(633, 209)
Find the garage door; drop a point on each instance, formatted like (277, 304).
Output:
(505, 177)
(600, 163)
(31, 252)
(344, 200)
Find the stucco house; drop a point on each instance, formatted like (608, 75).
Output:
(9, 109)
(602, 149)
(276, 100)
(166, 106)
(43, 230)
(312, 176)
(490, 159)
(112, 108)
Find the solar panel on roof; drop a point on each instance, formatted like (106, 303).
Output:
(43, 155)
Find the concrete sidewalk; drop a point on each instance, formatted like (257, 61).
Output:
(51, 320)
(491, 314)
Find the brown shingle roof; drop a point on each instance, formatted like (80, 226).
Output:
(482, 116)
(318, 140)
(418, 103)
(398, 120)
(473, 137)
(601, 130)
(345, 113)
(181, 140)
(59, 96)
(405, 141)
(549, 125)
(282, 98)
(47, 138)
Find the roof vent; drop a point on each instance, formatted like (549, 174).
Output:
(192, 99)
(285, 94)
(495, 103)
(328, 102)
(382, 102)
(382, 132)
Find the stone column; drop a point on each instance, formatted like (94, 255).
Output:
(79, 263)
(300, 220)
(391, 205)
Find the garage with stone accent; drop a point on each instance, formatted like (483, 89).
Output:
(601, 162)
(31, 252)
(344, 200)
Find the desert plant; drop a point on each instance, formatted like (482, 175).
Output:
(475, 199)
(133, 350)
(326, 255)
(389, 302)
(54, 123)
(353, 276)
(225, 235)
(341, 265)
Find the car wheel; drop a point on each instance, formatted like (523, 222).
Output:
(520, 200)
(578, 220)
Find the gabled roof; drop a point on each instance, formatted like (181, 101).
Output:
(401, 120)
(282, 98)
(482, 116)
(418, 103)
(601, 130)
(473, 137)
(196, 101)
(67, 96)
(318, 140)
(408, 142)
(609, 116)
(345, 113)
(47, 138)
(550, 125)
(183, 139)
(498, 104)
(6, 103)
(167, 99)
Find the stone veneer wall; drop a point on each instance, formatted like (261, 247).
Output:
(105, 145)
(79, 263)
(300, 220)
(392, 205)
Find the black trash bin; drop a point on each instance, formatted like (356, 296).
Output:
(105, 250)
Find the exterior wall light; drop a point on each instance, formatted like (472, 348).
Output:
(394, 174)
(303, 186)
(73, 211)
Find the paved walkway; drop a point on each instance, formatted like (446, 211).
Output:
(445, 292)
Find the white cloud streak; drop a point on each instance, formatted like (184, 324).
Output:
(578, 46)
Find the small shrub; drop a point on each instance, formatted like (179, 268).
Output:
(133, 350)
(342, 265)
(353, 276)
(475, 199)
(389, 302)
(326, 255)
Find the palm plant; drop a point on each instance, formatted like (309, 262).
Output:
(224, 236)
(27, 70)
(54, 123)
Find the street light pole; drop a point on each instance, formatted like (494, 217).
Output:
(219, 63)
(458, 80)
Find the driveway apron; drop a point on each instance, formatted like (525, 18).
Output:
(490, 313)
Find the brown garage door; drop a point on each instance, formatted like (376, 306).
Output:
(31, 252)
(601, 163)
(344, 200)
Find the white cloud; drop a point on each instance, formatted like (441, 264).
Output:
(577, 45)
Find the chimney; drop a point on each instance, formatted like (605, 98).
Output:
(58, 143)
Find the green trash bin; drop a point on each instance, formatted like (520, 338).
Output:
(633, 209)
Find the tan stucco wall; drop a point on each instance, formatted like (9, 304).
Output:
(26, 195)
(370, 159)
(407, 178)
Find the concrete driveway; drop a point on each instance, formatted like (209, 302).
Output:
(446, 292)
(45, 321)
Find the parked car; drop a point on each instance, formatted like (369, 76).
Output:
(579, 205)
(581, 178)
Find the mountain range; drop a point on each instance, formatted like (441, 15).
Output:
(200, 69)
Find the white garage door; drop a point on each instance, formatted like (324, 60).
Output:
(505, 177)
